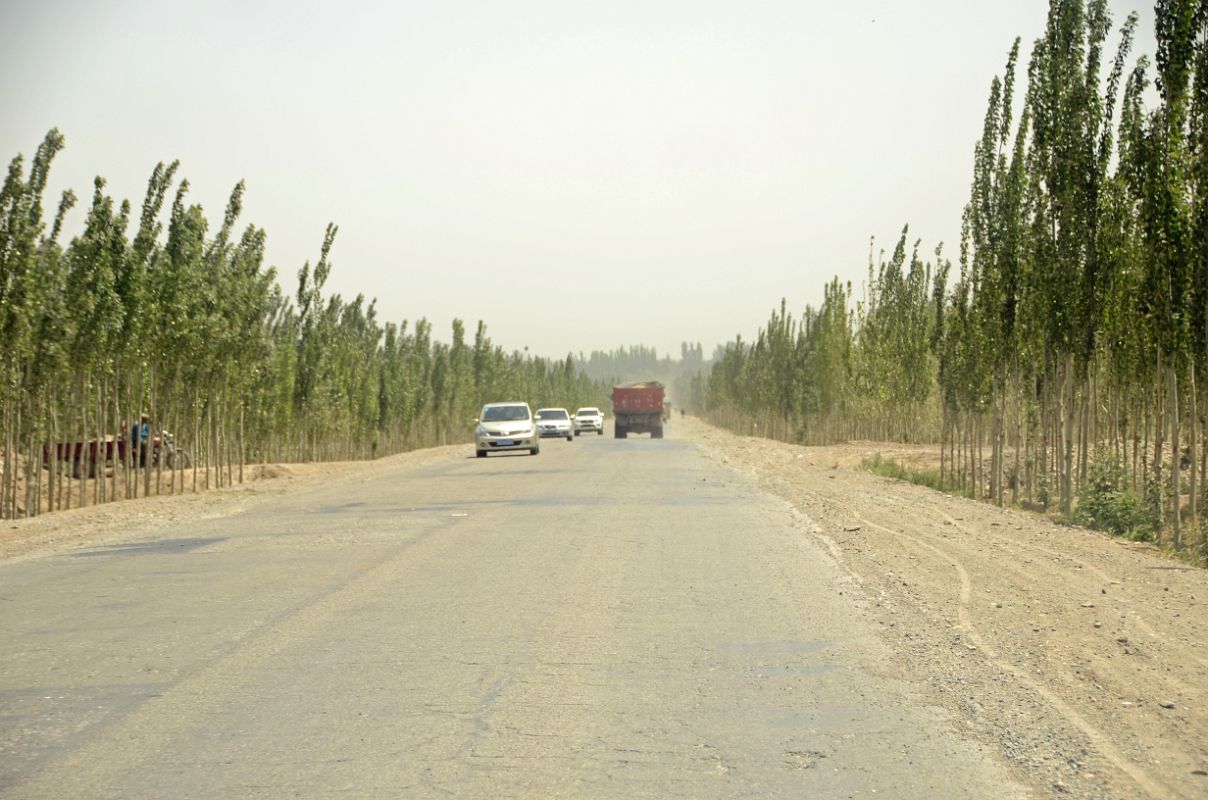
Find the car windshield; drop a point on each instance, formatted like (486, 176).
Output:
(504, 413)
(552, 413)
(587, 412)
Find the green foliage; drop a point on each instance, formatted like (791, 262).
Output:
(888, 468)
(1104, 504)
(840, 371)
(1078, 312)
(187, 324)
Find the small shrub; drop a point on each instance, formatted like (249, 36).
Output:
(888, 468)
(1104, 506)
(1042, 490)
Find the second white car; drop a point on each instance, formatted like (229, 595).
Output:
(554, 422)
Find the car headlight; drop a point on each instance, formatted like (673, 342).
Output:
(482, 432)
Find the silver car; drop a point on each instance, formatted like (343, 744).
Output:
(555, 422)
(506, 426)
(589, 419)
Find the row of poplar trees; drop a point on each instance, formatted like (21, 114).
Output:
(1075, 331)
(151, 312)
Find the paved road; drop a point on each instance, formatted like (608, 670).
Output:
(614, 619)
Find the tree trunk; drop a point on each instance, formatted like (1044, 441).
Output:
(158, 415)
(1084, 433)
(116, 422)
(82, 463)
(228, 434)
(1019, 445)
(1067, 437)
(197, 440)
(1159, 426)
(29, 449)
(6, 461)
(96, 455)
(242, 442)
(1042, 455)
(1138, 426)
(55, 475)
(1119, 443)
(1147, 416)
(1192, 435)
(943, 445)
(1176, 490)
(130, 476)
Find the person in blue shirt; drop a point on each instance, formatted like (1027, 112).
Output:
(140, 434)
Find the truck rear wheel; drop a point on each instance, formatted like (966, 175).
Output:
(656, 433)
(620, 432)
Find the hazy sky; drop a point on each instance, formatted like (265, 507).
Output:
(580, 176)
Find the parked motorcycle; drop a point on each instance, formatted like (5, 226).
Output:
(173, 456)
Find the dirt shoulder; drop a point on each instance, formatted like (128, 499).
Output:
(1082, 658)
(129, 519)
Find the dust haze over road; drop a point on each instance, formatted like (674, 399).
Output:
(699, 616)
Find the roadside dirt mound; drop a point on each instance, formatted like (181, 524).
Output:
(1081, 657)
(264, 472)
(850, 455)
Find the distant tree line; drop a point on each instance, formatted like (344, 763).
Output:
(152, 312)
(1069, 351)
(643, 363)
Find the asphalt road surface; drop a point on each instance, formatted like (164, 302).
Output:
(610, 618)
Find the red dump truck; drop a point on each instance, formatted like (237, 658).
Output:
(638, 408)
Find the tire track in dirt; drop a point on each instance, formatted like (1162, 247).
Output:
(1130, 614)
(1134, 617)
(1106, 747)
(1110, 629)
(1053, 567)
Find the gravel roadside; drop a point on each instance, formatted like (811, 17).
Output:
(1083, 658)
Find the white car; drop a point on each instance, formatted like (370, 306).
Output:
(589, 419)
(555, 422)
(506, 426)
